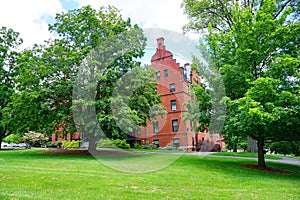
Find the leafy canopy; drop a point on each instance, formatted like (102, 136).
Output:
(255, 46)
(9, 42)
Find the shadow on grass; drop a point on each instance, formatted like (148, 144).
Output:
(150, 162)
(234, 166)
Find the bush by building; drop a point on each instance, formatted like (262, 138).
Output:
(111, 143)
(72, 144)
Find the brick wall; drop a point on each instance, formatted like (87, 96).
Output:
(163, 60)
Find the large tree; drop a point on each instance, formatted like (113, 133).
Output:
(255, 46)
(9, 42)
(97, 45)
(219, 13)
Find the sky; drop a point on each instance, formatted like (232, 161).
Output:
(31, 17)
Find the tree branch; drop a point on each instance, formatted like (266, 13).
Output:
(226, 14)
(282, 8)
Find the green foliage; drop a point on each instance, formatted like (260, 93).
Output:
(243, 145)
(219, 15)
(137, 146)
(72, 144)
(121, 144)
(13, 138)
(111, 143)
(47, 77)
(105, 143)
(201, 13)
(9, 42)
(53, 144)
(35, 139)
(280, 147)
(285, 147)
(199, 108)
(124, 90)
(255, 46)
(295, 148)
(97, 34)
(148, 146)
(235, 142)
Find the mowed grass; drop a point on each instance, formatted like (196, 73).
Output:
(25, 174)
(246, 154)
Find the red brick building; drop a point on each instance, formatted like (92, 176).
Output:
(173, 83)
(62, 135)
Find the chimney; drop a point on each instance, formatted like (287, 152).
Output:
(161, 43)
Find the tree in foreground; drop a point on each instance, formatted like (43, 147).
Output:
(9, 42)
(255, 46)
(88, 44)
(110, 46)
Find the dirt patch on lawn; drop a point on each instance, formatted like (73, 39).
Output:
(85, 152)
(268, 169)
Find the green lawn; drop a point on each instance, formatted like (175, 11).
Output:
(24, 174)
(246, 154)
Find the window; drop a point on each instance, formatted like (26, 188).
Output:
(158, 75)
(156, 143)
(176, 142)
(184, 73)
(155, 127)
(175, 125)
(166, 73)
(173, 105)
(172, 87)
(138, 131)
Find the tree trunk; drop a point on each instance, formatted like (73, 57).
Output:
(234, 148)
(92, 143)
(0, 142)
(261, 153)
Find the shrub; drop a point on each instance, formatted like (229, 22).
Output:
(147, 146)
(285, 147)
(13, 138)
(137, 146)
(72, 144)
(53, 144)
(121, 144)
(35, 139)
(105, 143)
(111, 143)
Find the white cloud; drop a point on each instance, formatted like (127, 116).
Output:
(163, 14)
(29, 18)
(166, 14)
